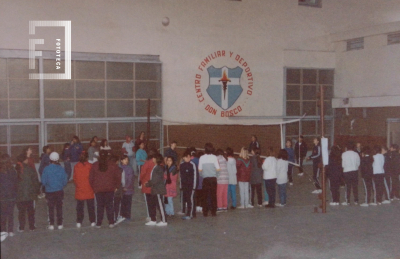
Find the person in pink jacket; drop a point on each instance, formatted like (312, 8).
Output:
(171, 176)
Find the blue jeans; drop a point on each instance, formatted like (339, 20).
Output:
(282, 193)
(232, 194)
(266, 198)
(169, 208)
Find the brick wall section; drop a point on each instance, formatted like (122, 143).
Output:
(222, 136)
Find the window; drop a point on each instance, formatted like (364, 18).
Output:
(393, 38)
(355, 44)
(312, 3)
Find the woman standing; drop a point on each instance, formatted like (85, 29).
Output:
(139, 140)
(104, 145)
(256, 176)
(105, 178)
(269, 167)
(171, 177)
(75, 149)
(281, 175)
(222, 182)
(243, 177)
(290, 152)
(232, 178)
(317, 160)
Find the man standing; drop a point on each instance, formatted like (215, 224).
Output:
(350, 164)
(300, 150)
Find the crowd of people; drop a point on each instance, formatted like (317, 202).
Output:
(206, 182)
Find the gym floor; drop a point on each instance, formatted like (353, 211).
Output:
(294, 231)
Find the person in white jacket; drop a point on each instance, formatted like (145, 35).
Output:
(350, 164)
(379, 174)
(231, 166)
(281, 176)
(269, 167)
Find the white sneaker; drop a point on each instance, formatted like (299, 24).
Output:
(265, 203)
(78, 225)
(250, 206)
(356, 203)
(332, 203)
(315, 192)
(161, 224)
(396, 199)
(300, 174)
(4, 235)
(151, 223)
(60, 227)
(260, 205)
(119, 220)
(345, 203)
(240, 207)
(386, 202)
(11, 234)
(181, 213)
(50, 227)
(41, 196)
(93, 224)
(111, 225)
(379, 203)
(364, 205)
(290, 183)
(148, 219)
(373, 204)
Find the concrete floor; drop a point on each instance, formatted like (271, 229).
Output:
(294, 231)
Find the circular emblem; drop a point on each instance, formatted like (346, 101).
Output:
(223, 83)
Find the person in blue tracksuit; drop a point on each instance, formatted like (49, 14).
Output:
(189, 181)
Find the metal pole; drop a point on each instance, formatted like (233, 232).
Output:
(148, 123)
(322, 135)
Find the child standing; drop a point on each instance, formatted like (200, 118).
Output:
(145, 175)
(243, 177)
(269, 167)
(83, 191)
(367, 174)
(290, 152)
(28, 189)
(44, 161)
(222, 182)
(281, 176)
(379, 174)
(141, 157)
(171, 177)
(189, 177)
(93, 152)
(158, 190)
(232, 178)
(126, 202)
(8, 195)
(256, 176)
(54, 180)
(334, 171)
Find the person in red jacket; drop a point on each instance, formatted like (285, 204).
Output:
(145, 174)
(105, 178)
(243, 177)
(83, 190)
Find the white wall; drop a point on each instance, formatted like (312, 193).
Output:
(264, 32)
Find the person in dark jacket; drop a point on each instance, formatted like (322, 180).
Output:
(387, 176)
(105, 178)
(189, 182)
(28, 189)
(394, 169)
(334, 172)
(158, 191)
(127, 188)
(54, 180)
(256, 177)
(75, 149)
(172, 153)
(367, 174)
(300, 151)
(8, 194)
(291, 158)
(66, 157)
(254, 143)
(316, 157)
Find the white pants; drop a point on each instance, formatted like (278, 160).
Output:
(244, 193)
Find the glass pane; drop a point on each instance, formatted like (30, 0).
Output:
(292, 129)
(154, 130)
(148, 90)
(89, 130)
(24, 109)
(309, 92)
(59, 109)
(89, 69)
(3, 134)
(17, 150)
(327, 125)
(24, 88)
(309, 108)
(19, 68)
(119, 108)
(3, 109)
(293, 76)
(327, 108)
(119, 90)
(3, 67)
(89, 109)
(308, 127)
(118, 131)
(59, 89)
(49, 66)
(60, 132)
(148, 71)
(3, 150)
(309, 76)
(328, 92)
(141, 108)
(326, 77)
(292, 108)
(90, 89)
(292, 92)
(119, 70)
(3, 89)
(24, 134)
(139, 127)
